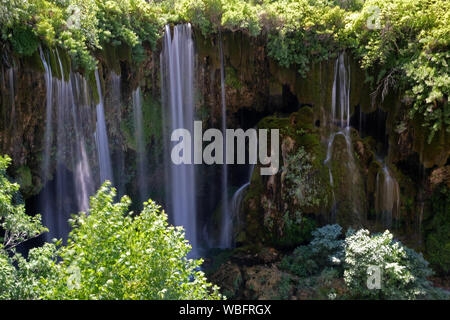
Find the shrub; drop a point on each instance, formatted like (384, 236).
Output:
(325, 250)
(403, 271)
(19, 277)
(111, 254)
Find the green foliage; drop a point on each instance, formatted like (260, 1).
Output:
(303, 184)
(19, 277)
(80, 26)
(17, 225)
(327, 246)
(409, 50)
(403, 44)
(284, 287)
(437, 234)
(112, 254)
(328, 257)
(23, 41)
(203, 14)
(325, 250)
(296, 229)
(403, 271)
(302, 32)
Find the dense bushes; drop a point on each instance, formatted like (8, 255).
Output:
(19, 277)
(329, 256)
(79, 26)
(403, 271)
(110, 254)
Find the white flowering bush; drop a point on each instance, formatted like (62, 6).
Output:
(403, 271)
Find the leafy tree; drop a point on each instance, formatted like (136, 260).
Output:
(19, 277)
(110, 253)
(113, 254)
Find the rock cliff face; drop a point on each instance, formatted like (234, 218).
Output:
(278, 211)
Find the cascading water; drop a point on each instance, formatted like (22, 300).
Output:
(48, 115)
(177, 90)
(340, 127)
(71, 101)
(10, 73)
(101, 137)
(236, 205)
(141, 161)
(226, 223)
(387, 197)
(114, 86)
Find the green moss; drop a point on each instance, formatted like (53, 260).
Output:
(24, 177)
(232, 79)
(92, 82)
(151, 123)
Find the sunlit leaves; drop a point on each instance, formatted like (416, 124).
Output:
(113, 254)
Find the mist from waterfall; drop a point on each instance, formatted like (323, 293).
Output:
(177, 91)
(141, 159)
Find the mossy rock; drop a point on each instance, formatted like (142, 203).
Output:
(253, 211)
(24, 179)
(348, 187)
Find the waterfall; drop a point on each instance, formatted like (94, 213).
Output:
(177, 85)
(387, 197)
(226, 223)
(83, 176)
(69, 98)
(236, 205)
(10, 73)
(101, 137)
(330, 174)
(48, 115)
(340, 126)
(141, 161)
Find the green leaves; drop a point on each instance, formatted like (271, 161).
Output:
(413, 37)
(18, 226)
(113, 254)
(110, 254)
(19, 277)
